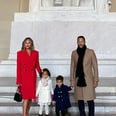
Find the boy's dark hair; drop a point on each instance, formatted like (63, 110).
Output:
(45, 70)
(81, 37)
(60, 77)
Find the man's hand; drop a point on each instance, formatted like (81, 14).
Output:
(72, 83)
(95, 84)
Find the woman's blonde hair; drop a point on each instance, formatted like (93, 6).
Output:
(23, 43)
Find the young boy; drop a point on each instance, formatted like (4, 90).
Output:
(61, 97)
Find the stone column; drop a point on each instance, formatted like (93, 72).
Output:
(76, 2)
(47, 3)
(67, 2)
(24, 5)
(34, 5)
(86, 3)
(102, 6)
(83, 3)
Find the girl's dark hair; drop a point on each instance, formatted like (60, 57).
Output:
(60, 77)
(45, 70)
(81, 37)
(23, 43)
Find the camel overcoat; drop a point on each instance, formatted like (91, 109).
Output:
(90, 68)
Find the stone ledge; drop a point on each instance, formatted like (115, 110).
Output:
(73, 110)
(2, 94)
(103, 81)
(64, 16)
(73, 114)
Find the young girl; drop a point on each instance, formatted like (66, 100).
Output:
(61, 96)
(44, 91)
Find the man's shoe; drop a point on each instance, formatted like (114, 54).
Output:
(40, 115)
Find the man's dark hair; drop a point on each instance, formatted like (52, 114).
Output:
(60, 77)
(81, 37)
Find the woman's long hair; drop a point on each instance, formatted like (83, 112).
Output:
(23, 43)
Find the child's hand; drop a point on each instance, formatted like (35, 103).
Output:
(52, 96)
(35, 100)
(72, 87)
(53, 102)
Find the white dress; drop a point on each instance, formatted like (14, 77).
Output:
(44, 91)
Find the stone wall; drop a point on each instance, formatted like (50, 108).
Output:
(7, 10)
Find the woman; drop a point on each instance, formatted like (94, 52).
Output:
(27, 63)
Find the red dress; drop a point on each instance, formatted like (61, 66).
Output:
(26, 72)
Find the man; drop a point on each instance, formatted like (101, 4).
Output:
(84, 76)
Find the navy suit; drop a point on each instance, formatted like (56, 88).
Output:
(61, 97)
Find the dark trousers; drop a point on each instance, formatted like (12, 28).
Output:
(81, 106)
(63, 113)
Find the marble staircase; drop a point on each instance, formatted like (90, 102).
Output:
(60, 27)
(105, 102)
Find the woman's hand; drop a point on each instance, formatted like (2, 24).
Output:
(19, 89)
(19, 85)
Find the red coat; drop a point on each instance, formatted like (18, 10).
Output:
(26, 72)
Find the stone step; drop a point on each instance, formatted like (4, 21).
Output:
(99, 90)
(103, 81)
(98, 103)
(106, 85)
(105, 104)
(55, 115)
(6, 99)
(101, 106)
(97, 94)
(14, 109)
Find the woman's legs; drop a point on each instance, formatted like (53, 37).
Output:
(29, 105)
(26, 107)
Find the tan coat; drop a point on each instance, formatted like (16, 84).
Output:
(91, 74)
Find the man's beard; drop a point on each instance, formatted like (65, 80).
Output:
(81, 46)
